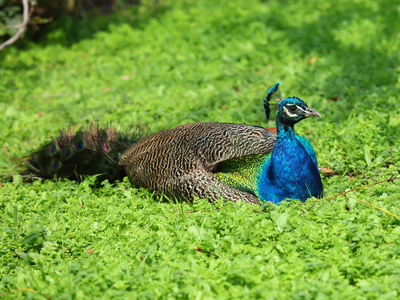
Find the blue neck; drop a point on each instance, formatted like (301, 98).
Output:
(284, 130)
(291, 172)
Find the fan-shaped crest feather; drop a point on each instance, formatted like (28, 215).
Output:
(273, 93)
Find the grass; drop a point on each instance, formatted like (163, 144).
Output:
(207, 61)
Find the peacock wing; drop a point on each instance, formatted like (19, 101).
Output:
(213, 143)
(209, 143)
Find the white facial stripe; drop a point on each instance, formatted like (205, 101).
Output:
(298, 107)
(288, 113)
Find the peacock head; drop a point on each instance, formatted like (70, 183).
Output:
(290, 110)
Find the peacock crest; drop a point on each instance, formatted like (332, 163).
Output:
(273, 94)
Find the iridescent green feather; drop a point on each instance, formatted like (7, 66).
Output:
(243, 172)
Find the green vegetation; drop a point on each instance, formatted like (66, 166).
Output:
(189, 61)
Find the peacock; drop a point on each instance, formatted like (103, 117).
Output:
(207, 160)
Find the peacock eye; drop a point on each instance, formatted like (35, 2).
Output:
(292, 108)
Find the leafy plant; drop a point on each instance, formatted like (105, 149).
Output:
(10, 16)
(207, 61)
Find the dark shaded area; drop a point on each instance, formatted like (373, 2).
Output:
(68, 22)
(92, 16)
(56, 8)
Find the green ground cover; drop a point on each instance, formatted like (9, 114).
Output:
(189, 61)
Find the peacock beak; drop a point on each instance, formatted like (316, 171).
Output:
(311, 113)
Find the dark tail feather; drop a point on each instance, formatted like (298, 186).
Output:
(91, 150)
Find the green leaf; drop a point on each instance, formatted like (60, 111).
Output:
(8, 230)
(379, 159)
(12, 10)
(367, 155)
(16, 218)
(21, 254)
(280, 219)
(280, 248)
(30, 238)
